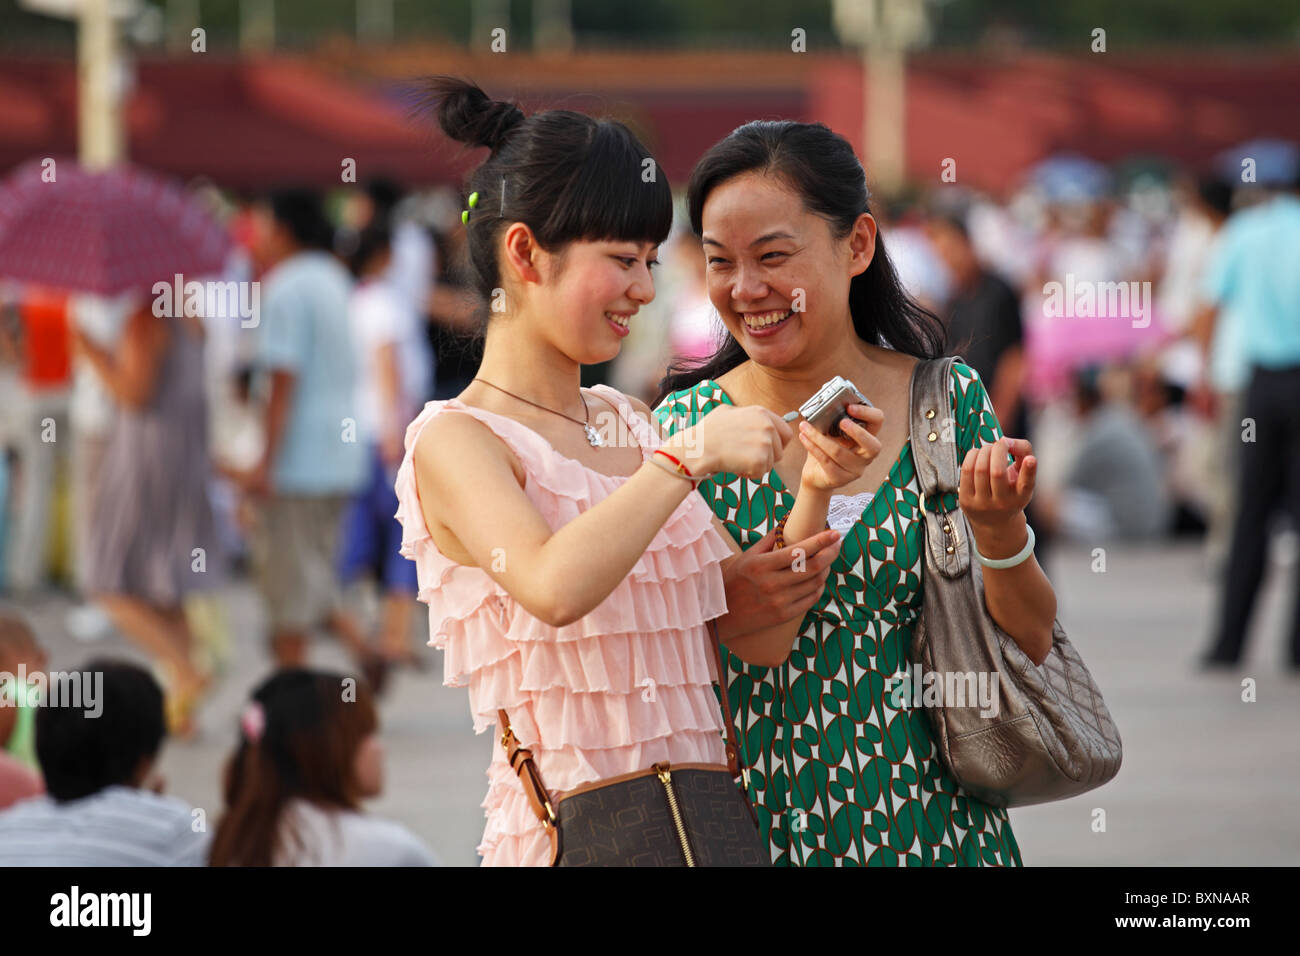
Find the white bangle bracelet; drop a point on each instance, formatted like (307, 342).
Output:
(1015, 559)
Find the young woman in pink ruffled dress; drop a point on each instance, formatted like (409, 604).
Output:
(569, 570)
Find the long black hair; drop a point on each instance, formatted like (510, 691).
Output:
(567, 176)
(821, 167)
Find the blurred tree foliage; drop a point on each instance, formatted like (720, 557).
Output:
(757, 24)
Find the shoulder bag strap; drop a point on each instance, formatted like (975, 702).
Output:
(734, 763)
(521, 761)
(934, 454)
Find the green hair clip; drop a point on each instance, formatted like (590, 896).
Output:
(473, 201)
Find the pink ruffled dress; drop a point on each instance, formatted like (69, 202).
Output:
(626, 686)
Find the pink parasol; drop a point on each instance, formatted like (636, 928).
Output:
(107, 232)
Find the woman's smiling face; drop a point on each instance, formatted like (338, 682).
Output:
(591, 299)
(584, 295)
(776, 274)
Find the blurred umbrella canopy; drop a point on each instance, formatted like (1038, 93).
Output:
(105, 232)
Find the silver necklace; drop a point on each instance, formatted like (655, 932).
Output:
(593, 436)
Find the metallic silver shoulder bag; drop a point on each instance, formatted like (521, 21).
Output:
(1051, 736)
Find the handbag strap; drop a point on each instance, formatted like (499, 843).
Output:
(521, 761)
(521, 758)
(934, 454)
(928, 410)
(735, 765)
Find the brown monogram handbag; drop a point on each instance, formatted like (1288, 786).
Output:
(684, 815)
(1051, 736)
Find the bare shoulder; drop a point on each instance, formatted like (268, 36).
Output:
(893, 369)
(455, 443)
(900, 363)
(457, 461)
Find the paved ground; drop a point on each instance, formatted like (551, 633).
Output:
(1207, 779)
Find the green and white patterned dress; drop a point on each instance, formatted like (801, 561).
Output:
(839, 775)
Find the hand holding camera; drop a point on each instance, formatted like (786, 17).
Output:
(838, 431)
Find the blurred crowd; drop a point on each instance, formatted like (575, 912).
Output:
(147, 458)
(1139, 324)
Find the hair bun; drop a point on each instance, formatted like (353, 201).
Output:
(468, 115)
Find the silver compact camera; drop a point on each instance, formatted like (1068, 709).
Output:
(825, 410)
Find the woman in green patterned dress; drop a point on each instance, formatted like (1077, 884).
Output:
(844, 768)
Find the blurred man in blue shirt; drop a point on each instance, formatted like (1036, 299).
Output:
(314, 460)
(1255, 272)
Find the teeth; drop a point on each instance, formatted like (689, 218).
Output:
(622, 320)
(761, 320)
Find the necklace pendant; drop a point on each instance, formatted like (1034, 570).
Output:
(593, 436)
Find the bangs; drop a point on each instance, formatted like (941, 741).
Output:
(610, 197)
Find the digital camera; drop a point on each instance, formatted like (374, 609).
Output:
(825, 410)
